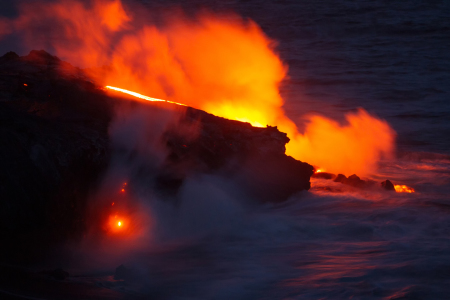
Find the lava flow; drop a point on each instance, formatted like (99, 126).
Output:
(118, 222)
(123, 217)
(140, 96)
(403, 189)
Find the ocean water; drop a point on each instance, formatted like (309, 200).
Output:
(333, 242)
(390, 57)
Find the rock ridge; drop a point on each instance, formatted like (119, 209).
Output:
(55, 148)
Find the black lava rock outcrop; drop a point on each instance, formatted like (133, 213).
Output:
(55, 147)
(355, 181)
(340, 178)
(387, 185)
(121, 273)
(324, 175)
(254, 156)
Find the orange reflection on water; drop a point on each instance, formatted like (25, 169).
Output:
(330, 265)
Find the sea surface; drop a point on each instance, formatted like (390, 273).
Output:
(391, 58)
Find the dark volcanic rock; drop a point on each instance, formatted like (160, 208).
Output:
(387, 184)
(54, 148)
(254, 156)
(274, 178)
(10, 56)
(215, 141)
(58, 274)
(324, 175)
(120, 273)
(340, 178)
(354, 181)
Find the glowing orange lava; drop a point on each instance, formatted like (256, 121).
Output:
(118, 224)
(403, 189)
(223, 64)
(140, 96)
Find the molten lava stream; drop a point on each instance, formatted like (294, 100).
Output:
(140, 96)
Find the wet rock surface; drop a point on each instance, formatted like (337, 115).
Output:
(354, 181)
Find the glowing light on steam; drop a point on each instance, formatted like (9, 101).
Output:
(225, 66)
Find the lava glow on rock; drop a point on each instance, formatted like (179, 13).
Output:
(117, 224)
(398, 188)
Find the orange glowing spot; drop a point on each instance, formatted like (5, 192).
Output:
(403, 189)
(318, 171)
(118, 224)
(112, 204)
(141, 96)
(123, 190)
(25, 84)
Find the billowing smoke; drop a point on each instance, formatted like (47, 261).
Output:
(131, 214)
(222, 64)
(355, 147)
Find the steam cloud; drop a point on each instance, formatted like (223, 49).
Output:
(222, 64)
(204, 204)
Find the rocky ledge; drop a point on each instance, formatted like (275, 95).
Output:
(54, 148)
